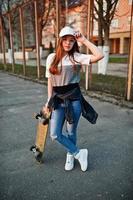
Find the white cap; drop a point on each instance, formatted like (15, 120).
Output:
(66, 31)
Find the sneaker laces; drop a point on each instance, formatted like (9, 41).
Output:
(69, 158)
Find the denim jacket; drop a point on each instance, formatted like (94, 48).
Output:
(71, 95)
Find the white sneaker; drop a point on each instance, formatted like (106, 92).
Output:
(69, 162)
(82, 157)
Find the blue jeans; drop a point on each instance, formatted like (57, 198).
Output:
(56, 127)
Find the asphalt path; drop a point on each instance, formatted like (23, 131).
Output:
(110, 144)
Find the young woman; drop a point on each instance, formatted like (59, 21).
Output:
(63, 73)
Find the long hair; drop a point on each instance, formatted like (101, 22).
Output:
(59, 55)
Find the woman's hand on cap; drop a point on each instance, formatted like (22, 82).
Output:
(79, 37)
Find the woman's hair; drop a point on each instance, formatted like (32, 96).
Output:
(59, 55)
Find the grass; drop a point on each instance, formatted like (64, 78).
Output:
(118, 60)
(107, 83)
(104, 83)
(31, 71)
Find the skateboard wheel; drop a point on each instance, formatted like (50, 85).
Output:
(38, 156)
(37, 153)
(35, 150)
(32, 147)
(38, 116)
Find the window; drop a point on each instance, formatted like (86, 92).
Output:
(114, 23)
(130, 2)
(129, 20)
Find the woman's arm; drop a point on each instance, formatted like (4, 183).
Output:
(96, 53)
(50, 88)
(50, 91)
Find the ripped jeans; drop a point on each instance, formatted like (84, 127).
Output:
(69, 141)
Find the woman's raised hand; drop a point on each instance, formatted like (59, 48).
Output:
(79, 37)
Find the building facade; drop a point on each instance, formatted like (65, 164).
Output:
(74, 12)
(120, 28)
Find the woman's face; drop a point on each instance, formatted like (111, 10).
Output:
(68, 42)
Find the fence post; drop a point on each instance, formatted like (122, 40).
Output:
(89, 33)
(58, 4)
(11, 42)
(22, 39)
(3, 43)
(130, 64)
(37, 39)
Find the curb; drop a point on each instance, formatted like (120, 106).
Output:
(110, 99)
(116, 100)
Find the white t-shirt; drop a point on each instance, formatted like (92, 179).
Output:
(68, 74)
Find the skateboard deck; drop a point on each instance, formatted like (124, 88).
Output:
(41, 135)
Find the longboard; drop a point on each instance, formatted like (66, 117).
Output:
(42, 130)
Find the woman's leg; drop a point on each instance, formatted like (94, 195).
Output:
(72, 128)
(57, 121)
(56, 126)
(72, 134)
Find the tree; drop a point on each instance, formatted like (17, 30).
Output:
(6, 6)
(44, 10)
(104, 10)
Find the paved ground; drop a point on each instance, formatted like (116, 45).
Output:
(110, 144)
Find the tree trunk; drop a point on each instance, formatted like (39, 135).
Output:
(40, 41)
(10, 59)
(105, 51)
(8, 39)
(100, 44)
(103, 64)
(7, 35)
